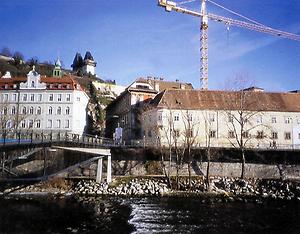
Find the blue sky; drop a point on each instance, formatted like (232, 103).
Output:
(133, 38)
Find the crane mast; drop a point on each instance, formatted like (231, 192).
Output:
(204, 16)
(204, 46)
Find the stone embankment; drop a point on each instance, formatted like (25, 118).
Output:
(230, 187)
(135, 187)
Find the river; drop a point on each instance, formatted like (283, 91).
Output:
(48, 214)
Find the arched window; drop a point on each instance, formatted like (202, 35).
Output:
(24, 110)
(31, 110)
(39, 111)
(59, 110)
(50, 110)
(32, 84)
(67, 110)
(13, 110)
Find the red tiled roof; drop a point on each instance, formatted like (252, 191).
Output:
(65, 82)
(227, 100)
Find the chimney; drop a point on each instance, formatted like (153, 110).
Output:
(156, 86)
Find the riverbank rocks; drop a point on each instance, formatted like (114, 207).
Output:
(275, 189)
(232, 187)
(134, 187)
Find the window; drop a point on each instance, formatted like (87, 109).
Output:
(24, 97)
(50, 97)
(287, 120)
(67, 123)
(67, 110)
(212, 134)
(14, 97)
(23, 124)
(149, 133)
(32, 97)
(78, 99)
(260, 135)
(211, 117)
(5, 97)
(231, 134)
(298, 135)
(31, 110)
(287, 135)
(59, 97)
(273, 119)
(38, 124)
(13, 110)
(189, 133)
(30, 123)
(32, 84)
(49, 123)
(58, 123)
(24, 111)
(176, 133)
(50, 110)
(274, 135)
(5, 110)
(58, 110)
(230, 118)
(40, 97)
(68, 98)
(39, 111)
(259, 119)
(159, 117)
(190, 117)
(9, 124)
(176, 118)
(245, 134)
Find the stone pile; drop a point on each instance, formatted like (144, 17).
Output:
(135, 187)
(263, 188)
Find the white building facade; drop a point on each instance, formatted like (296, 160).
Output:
(268, 120)
(42, 104)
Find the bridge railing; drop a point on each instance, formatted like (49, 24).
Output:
(260, 146)
(31, 137)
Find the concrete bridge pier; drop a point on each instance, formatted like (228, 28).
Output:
(100, 170)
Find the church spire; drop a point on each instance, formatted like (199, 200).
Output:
(57, 69)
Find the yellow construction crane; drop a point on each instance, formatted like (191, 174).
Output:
(204, 16)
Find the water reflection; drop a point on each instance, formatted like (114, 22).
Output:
(145, 215)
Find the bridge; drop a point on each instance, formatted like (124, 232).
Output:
(20, 150)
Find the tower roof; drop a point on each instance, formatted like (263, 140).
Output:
(88, 56)
(57, 63)
(78, 61)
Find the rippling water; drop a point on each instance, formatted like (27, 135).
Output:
(146, 215)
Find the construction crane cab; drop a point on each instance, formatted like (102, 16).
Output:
(168, 5)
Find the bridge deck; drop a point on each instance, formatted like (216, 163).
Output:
(102, 152)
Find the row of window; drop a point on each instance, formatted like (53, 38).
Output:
(38, 110)
(261, 135)
(37, 124)
(231, 134)
(211, 118)
(35, 97)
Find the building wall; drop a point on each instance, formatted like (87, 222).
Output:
(34, 106)
(286, 125)
(107, 87)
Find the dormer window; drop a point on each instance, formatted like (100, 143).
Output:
(6, 86)
(32, 84)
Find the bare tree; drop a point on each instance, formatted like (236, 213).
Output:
(6, 52)
(244, 116)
